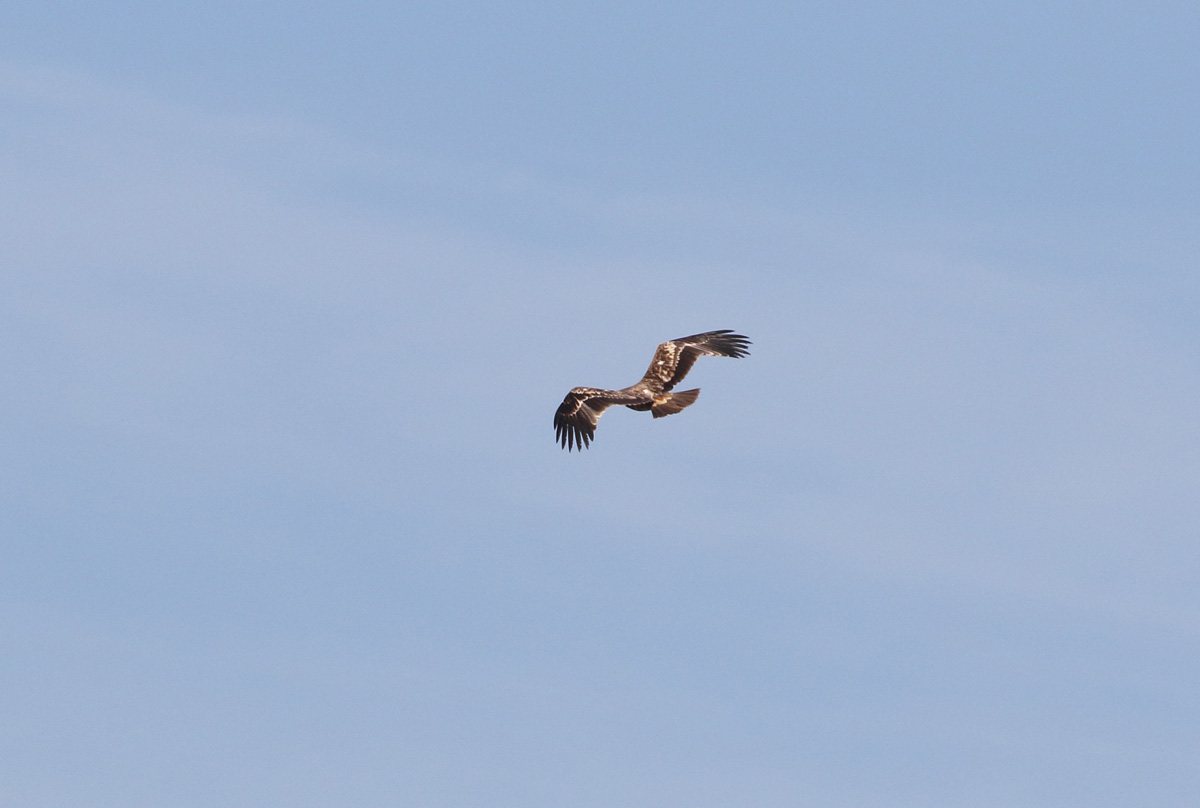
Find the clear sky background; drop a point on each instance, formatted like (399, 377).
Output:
(290, 293)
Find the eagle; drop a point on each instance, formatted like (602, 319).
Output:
(575, 420)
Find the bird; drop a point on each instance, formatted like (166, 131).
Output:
(575, 419)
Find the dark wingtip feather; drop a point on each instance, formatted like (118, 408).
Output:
(570, 436)
(723, 342)
(729, 343)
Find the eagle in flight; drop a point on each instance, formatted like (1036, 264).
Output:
(575, 420)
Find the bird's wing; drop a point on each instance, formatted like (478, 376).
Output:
(674, 359)
(575, 419)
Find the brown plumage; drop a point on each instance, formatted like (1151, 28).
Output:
(575, 420)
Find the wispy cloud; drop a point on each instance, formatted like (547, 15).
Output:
(271, 381)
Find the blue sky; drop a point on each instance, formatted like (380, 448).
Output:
(290, 294)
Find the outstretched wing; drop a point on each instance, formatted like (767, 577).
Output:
(575, 419)
(674, 359)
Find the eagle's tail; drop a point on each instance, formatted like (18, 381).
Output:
(671, 403)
